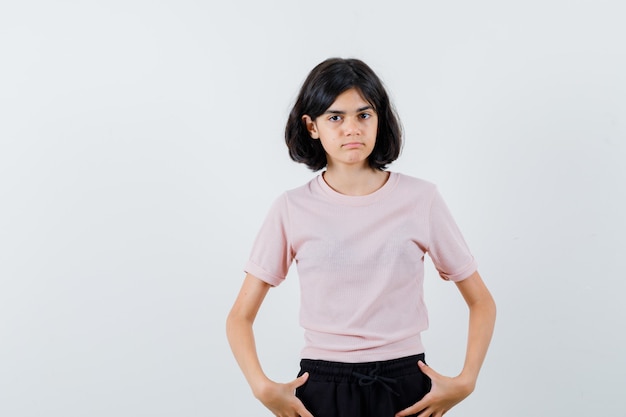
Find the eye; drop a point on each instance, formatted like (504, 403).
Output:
(365, 115)
(334, 118)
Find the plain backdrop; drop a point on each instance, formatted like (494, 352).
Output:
(141, 144)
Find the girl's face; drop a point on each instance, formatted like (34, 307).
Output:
(347, 129)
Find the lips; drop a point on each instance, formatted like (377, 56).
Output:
(351, 145)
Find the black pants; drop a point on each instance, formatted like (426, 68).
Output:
(370, 389)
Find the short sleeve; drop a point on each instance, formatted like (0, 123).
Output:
(271, 254)
(447, 247)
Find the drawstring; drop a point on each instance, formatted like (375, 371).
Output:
(373, 377)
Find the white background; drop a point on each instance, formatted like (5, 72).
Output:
(141, 144)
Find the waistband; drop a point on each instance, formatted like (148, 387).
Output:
(346, 371)
(382, 373)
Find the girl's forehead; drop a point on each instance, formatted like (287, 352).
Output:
(350, 98)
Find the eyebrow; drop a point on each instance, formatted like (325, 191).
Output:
(359, 110)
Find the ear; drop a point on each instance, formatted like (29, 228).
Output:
(311, 127)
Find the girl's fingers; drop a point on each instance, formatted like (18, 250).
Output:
(427, 370)
(426, 413)
(300, 381)
(421, 405)
(303, 412)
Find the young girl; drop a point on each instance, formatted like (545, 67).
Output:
(358, 235)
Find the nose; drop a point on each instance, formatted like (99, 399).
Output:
(351, 126)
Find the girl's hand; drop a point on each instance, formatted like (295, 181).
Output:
(281, 399)
(445, 393)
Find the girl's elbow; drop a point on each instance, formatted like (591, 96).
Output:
(235, 320)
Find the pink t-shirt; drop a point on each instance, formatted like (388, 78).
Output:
(360, 261)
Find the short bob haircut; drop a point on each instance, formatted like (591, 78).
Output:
(320, 89)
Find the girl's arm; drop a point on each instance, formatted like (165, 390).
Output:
(279, 398)
(447, 392)
(482, 318)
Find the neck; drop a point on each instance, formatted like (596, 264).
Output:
(355, 181)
